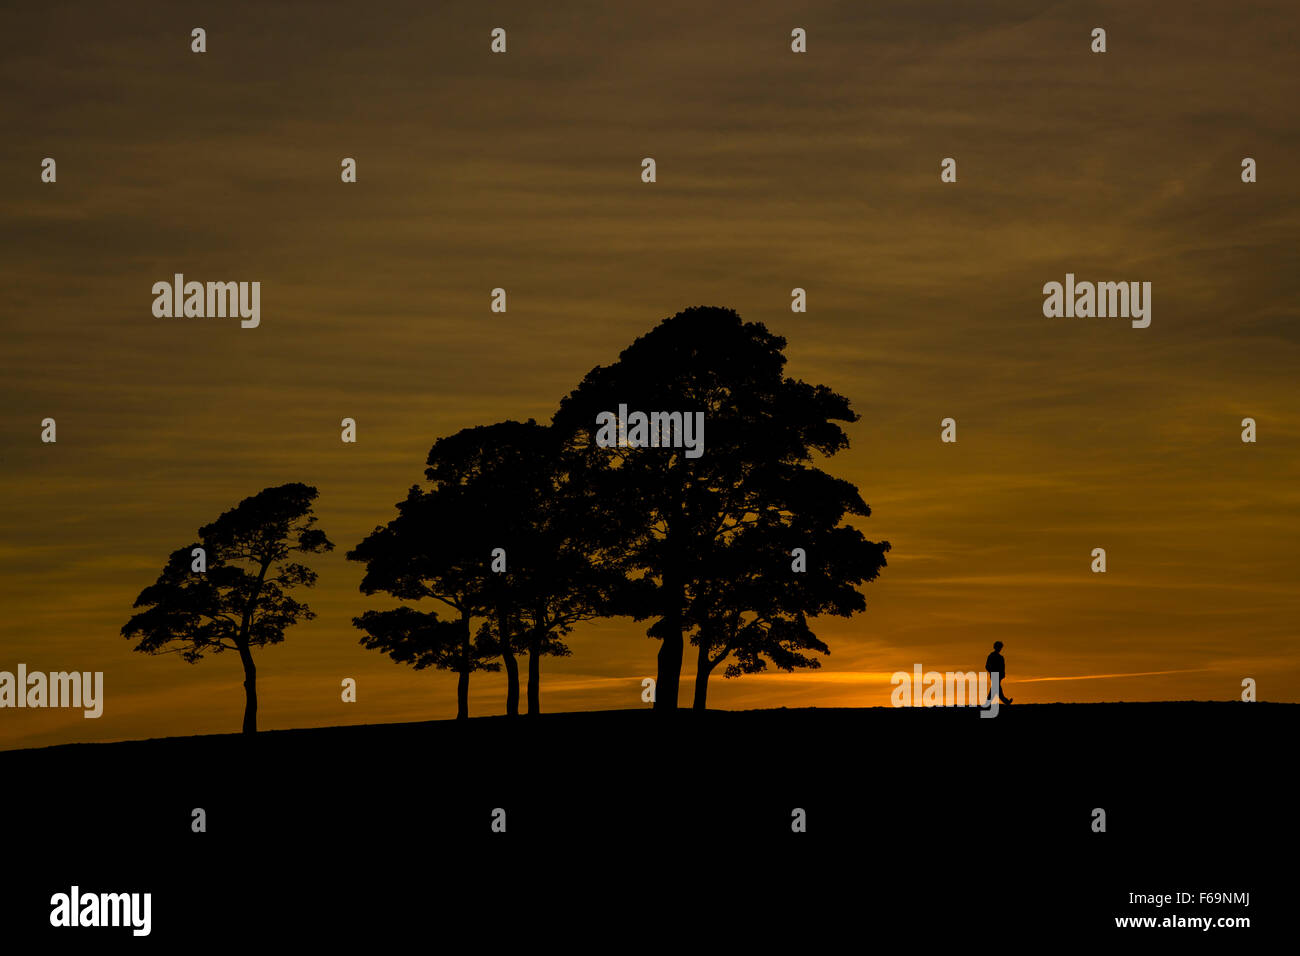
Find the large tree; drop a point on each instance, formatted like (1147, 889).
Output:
(230, 589)
(668, 511)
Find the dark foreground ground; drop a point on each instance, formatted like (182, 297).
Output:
(625, 830)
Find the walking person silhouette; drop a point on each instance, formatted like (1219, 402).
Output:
(996, 665)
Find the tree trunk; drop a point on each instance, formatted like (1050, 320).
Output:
(670, 668)
(512, 684)
(512, 665)
(462, 685)
(250, 689)
(703, 668)
(671, 647)
(535, 674)
(246, 654)
(462, 695)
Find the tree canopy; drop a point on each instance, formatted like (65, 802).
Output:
(230, 589)
(671, 514)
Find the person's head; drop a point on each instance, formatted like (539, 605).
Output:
(997, 645)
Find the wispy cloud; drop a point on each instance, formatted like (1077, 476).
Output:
(776, 170)
(1184, 670)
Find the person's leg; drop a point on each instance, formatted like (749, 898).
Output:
(1002, 694)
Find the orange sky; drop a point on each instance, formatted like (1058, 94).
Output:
(775, 170)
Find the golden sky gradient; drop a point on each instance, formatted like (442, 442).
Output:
(775, 170)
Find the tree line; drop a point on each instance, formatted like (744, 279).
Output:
(523, 530)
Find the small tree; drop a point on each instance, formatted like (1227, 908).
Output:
(559, 570)
(553, 584)
(420, 639)
(754, 606)
(500, 536)
(434, 548)
(234, 595)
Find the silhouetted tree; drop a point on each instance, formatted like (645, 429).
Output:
(557, 574)
(435, 548)
(667, 512)
(493, 487)
(561, 569)
(420, 639)
(754, 607)
(241, 600)
(510, 468)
